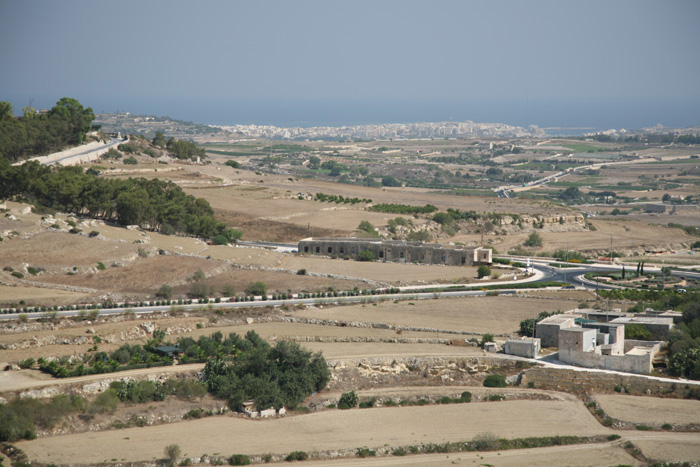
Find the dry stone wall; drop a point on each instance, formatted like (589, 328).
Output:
(582, 381)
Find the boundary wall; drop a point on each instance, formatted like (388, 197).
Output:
(587, 381)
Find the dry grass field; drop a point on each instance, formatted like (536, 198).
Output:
(266, 206)
(575, 456)
(642, 410)
(327, 430)
(495, 315)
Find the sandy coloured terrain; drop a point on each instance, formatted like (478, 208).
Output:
(670, 447)
(650, 410)
(580, 455)
(496, 315)
(323, 430)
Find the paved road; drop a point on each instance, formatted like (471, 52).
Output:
(572, 170)
(542, 273)
(77, 158)
(75, 155)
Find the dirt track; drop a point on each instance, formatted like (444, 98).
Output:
(323, 431)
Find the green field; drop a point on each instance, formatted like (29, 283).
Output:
(581, 147)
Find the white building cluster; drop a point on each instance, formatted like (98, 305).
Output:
(388, 131)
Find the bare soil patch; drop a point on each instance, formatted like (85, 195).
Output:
(278, 281)
(650, 410)
(58, 249)
(496, 315)
(391, 273)
(323, 431)
(256, 229)
(144, 275)
(580, 455)
(670, 447)
(37, 295)
(358, 350)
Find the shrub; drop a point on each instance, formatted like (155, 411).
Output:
(419, 236)
(348, 400)
(101, 266)
(534, 240)
(256, 288)
(220, 240)
(644, 427)
(495, 381)
(368, 404)
(172, 452)
(228, 290)
(485, 338)
(93, 233)
(466, 396)
(198, 290)
(301, 272)
(296, 456)
(28, 363)
(485, 442)
(483, 271)
(365, 452)
(165, 291)
(637, 331)
(18, 274)
(131, 160)
(667, 426)
(366, 255)
(399, 452)
(607, 421)
(111, 154)
(239, 459)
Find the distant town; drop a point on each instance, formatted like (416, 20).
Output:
(388, 131)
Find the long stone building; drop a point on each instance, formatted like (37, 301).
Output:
(397, 251)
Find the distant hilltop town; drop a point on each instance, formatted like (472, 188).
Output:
(387, 131)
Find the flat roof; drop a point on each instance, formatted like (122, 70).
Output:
(642, 320)
(558, 319)
(580, 330)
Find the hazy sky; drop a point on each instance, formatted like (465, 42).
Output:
(218, 60)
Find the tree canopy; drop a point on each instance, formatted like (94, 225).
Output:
(152, 204)
(67, 123)
(279, 376)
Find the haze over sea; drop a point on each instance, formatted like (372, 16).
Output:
(587, 115)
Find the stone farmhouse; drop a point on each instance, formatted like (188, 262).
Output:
(397, 251)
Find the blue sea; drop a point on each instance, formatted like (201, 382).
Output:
(571, 116)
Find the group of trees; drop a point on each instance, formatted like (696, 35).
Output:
(684, 339)
(324, 198)
(67, 123)
(279, 376)
(185, 149)
(403, 208)
(152, 204)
